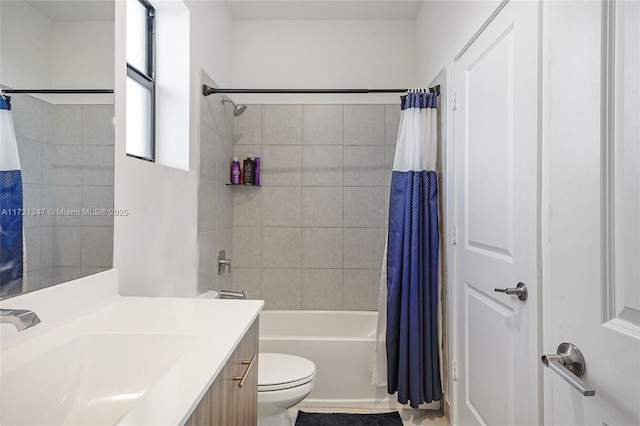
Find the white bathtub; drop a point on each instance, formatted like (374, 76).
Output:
(341, 344)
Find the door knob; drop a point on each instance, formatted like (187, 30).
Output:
(569, 364)
(520, 291)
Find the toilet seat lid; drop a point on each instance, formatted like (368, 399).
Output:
(282, 371)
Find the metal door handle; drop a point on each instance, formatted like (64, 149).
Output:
(520, 291)
(569, 364)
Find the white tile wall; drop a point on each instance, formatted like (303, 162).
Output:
(97, 125)
(208, 270)
(313, 235)
(247, 279)
(67, 198)
(391, 124)
(67, 164)
(247, 206)
(323, 165)
(363, 248)
(215, 198)
(33, 241)
(32, 196)
(66, 246)
(364, 166)
(281, 288)
(30, 153)
(323, 124)
(247, 248)
(97, 197)
(280, 165)
(67, 125)
(208, 153)
(66, 154)
(322, 289)
(281, 248)
(281, 205)
(360, 289)
(97, 163)
(322, 206)
(364, 207)
(364, 124)
(27, 114)
(207, 205)
(322, 248)
(97, 246)
(281, 125)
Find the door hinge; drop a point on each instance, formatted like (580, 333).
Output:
(455, 101)
(455, 370)
(454, 237)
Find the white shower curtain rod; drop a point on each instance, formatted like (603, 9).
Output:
(207, 90)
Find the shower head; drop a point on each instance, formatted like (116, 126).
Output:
(238, 109)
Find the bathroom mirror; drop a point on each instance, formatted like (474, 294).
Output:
(65, 141)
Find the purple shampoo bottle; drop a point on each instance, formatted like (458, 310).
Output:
(235, 172)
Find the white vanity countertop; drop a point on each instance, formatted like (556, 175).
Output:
(194, 337)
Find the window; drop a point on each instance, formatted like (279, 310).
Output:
(141, 84)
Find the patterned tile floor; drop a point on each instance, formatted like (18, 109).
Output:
(409, 417)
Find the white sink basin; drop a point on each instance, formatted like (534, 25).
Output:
(94, 378)
(101, 358)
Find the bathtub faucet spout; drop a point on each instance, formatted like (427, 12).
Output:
(20, 318)
(229, 294)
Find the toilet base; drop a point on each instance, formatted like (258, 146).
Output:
(273, 406)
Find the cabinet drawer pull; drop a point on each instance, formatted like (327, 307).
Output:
(246, 372)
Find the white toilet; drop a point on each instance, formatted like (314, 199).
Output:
(283, 381)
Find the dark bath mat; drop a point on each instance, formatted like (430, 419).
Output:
(344, 419)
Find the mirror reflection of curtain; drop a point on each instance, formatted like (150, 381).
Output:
(11, 231)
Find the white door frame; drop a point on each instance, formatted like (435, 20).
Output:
(447, 311)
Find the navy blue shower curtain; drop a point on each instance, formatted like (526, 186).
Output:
(413, 365)
(11, 235)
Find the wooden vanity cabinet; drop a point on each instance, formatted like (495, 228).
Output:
(225, 403)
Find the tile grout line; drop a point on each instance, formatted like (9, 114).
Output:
(301, 200)
(342, 188)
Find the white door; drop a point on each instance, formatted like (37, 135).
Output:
(496, 160)
(592, 290)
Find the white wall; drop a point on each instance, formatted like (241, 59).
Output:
(443, 29)
(211, 32)
(323, 54)
(26, 46)
(155, 248)
(82, 57)
(38, 53)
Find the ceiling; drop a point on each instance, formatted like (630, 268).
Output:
(75, 10)
(103, 10)
(325, 9)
